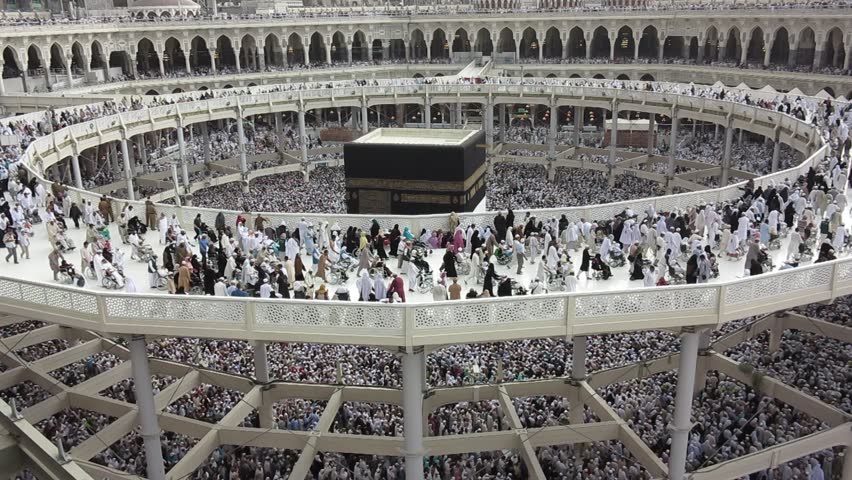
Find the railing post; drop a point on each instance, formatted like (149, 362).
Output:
(409, 327)
(102, 308)
(834, 273)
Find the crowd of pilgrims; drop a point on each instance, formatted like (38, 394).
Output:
(810, 206)
(732, 419)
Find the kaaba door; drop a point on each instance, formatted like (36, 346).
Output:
(374, 201)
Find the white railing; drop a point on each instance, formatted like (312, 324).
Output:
(435, 323)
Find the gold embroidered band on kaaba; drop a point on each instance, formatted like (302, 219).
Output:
(423, 185)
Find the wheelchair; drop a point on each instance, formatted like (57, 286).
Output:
(462, 265)
(112, 280)
(504, 258)
(339, 272)
(68, 276)
(143, 253)
(425, 282)
(556, 281)
(617, 259)
(676, 277)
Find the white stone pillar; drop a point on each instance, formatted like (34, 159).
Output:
(427, 112)
(242, 139)
(237, 52)
(365, 123)
(149, 427)
(652, 133)
(489, 125)
(187, 52)
(578, 126)
(205, 135)
(183, 160)
(551, 137)
(2, 85)
(175, 185)
(303, 136)
(726, 156)
(328, 51)
(413, 378)
(682, 424)
(162, 66)
(128, 170)
(613, 137)
(502, 110)
(776, 150)
(673, 143)
(578, 374)
(75, 167)
(261, 370)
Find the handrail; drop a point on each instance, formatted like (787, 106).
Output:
(432, 323)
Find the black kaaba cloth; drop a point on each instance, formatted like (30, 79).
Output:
(415, 171)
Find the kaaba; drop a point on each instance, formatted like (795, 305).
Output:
(409, 171)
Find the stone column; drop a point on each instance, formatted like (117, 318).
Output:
(413, 373)
(489, 124)
(613, 137)
(652, 133)
(681, 424)
(328, 51)
(303, 135)
(2, 85)
(187, 52)
(241, 136)
(68, 71)
(261, 369)
(673, 143)
(365, 123)
(205, 134)
(578, 374)
(75, 167)
(502, 110)
(147, 419)
(847, 60)
(776, 150)
(578, 126)
(237, 51)
(128, 170)
(183, 160)
(726, 156)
